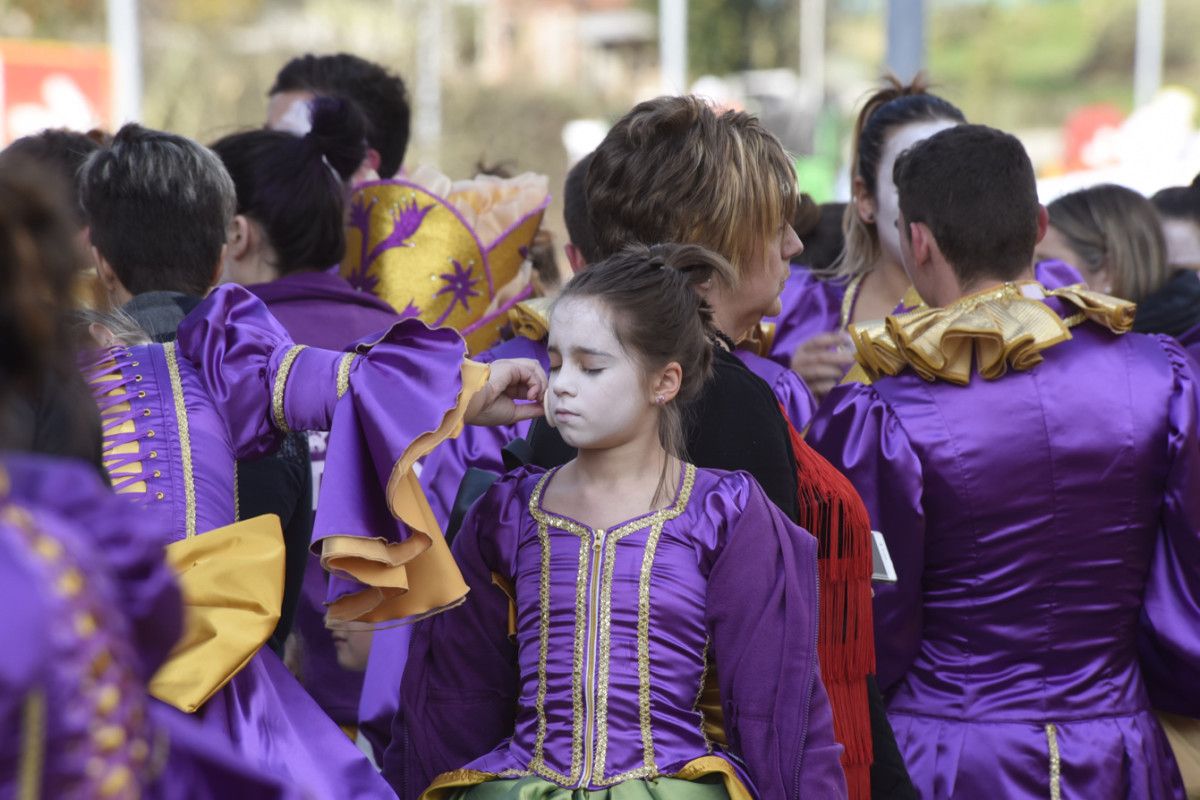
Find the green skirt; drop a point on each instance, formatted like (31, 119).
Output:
(708, 787)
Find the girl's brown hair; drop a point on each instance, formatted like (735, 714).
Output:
(1117, 229)
(893, 106)
(659, 317)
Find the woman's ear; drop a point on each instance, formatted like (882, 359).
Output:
(667, 384)
(864, 203)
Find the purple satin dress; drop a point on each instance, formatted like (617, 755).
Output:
(97, 611)
(179, 414)
(614, 632)
(322, 309)
(1043, 525)
(813, 305)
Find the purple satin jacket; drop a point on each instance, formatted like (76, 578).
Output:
(1045, 527)
(614, 632)
(177, 415)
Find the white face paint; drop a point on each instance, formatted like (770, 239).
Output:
(598, 397)
(887, 201)
(290, 111)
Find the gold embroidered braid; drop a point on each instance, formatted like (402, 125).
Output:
(1055, 762)
(280, 387)
(185, 438)
(343, 374)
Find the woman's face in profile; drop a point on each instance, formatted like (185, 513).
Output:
(887, 201)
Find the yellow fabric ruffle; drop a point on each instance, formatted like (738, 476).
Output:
(530, 319)
(759, 339)
(417, 577)
(991, 331)
(232, 584)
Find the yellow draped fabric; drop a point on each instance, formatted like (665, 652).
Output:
(531, 318)
(232, 584)
(990, 331)
(417, 577)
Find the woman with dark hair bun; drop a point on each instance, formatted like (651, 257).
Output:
(290, 225)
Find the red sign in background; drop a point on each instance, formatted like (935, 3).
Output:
(53, 85)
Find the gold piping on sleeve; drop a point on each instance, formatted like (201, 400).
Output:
(33, 745)
(343, 374)
(280, 387)
(185, 439)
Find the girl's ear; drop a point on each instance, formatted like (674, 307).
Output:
(666, 384)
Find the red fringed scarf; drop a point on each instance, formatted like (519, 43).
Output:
(831, 510)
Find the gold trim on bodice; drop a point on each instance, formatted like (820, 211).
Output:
(185, 438)
(998, 328)
(848, 300)
(597, 548)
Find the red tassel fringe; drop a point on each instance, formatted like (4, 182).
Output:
(831, 510)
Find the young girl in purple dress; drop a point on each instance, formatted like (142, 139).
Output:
(636, 626)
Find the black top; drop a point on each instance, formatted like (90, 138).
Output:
(735, 423)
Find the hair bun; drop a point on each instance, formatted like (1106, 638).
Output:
(338, 134)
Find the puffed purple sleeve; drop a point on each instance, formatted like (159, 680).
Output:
(761, 612)
(462, 663)
(859, 433)
(386, 403)
(1169, 640)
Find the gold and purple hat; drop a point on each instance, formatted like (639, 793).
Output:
(448, 253)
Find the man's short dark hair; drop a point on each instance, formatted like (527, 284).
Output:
(1178, 202)
(379, 95)
(974, 187)
(159, 207)
(575, 210)
(59, 153)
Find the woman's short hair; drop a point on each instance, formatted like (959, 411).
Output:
(676, 170)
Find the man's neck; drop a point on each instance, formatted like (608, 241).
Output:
(159, 313)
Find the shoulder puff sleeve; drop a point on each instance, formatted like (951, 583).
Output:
(462, 664)
(795, 397)
(386, 404)
(761, 611)
(858, 432)
(1169, 640)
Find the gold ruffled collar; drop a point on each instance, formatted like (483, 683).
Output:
(998, 328)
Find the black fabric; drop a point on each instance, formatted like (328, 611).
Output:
(1173, 309)
(889, 776)
(159, 313)
(735, 424)
(282, 484)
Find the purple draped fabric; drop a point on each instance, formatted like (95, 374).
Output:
(1041, 525)
(321, 309)
(812, 305)
(723, 567)
(96, 612)
(399, 387)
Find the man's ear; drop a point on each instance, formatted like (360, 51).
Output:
(1043, 223)
(574, 257)
(239, 238)
(922, 242)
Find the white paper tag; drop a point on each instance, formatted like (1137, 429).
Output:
(881, 560)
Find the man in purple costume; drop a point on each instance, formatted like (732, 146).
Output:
(1037, 479)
